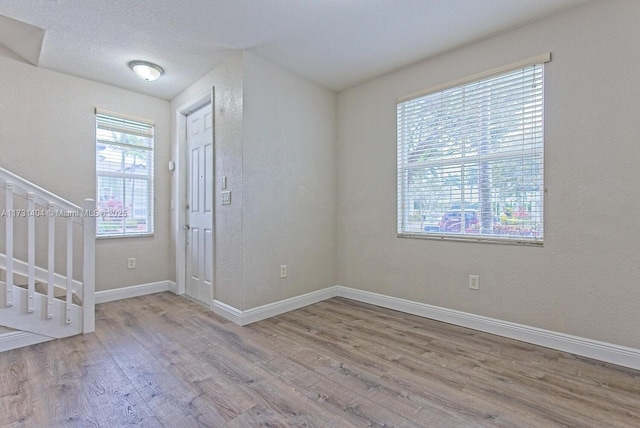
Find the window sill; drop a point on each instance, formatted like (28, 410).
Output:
(473, 238)
(145, 235)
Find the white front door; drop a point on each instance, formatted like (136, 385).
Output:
(199, 240)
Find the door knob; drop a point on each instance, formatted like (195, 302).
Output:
(187, 227)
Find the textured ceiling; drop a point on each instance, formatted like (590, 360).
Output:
(336, 43)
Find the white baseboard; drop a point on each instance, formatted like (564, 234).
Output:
(19, 339)
(616, 354)
(134, 291)
(228, 312)
(272, 309)
(173, 287)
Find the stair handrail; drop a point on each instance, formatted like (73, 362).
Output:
(43, 197)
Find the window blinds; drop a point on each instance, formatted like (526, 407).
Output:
(475, 152)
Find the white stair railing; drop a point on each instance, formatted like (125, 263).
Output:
(42, 203)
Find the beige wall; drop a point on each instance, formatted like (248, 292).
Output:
(47, 135)
(275, 143)
(227, 80)
(289, 170)
(584, 281)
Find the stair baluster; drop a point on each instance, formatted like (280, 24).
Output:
(51, 259)
(31, 250)
(69, 267)
(9, 241)
(89, 268)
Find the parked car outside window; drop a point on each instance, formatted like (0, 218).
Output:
(451, 221)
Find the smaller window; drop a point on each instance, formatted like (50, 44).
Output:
(124, 172)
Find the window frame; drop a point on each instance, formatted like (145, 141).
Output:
(403, 209)
(129, 125)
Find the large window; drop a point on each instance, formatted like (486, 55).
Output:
(470, 158)
(124, 171)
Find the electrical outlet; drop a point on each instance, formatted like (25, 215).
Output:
(283, 271)
(131, 263)
(226, 197)
(474, 282)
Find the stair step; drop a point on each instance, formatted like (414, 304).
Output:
(17, 317)
(58, 293)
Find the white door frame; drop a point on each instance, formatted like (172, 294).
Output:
(180, 189)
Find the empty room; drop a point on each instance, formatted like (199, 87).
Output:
(243, 213)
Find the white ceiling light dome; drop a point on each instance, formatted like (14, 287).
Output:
(146, 70)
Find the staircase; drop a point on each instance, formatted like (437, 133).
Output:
(46, 239)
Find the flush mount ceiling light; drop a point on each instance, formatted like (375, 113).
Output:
(146, 70)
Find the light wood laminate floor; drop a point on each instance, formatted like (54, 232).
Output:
(163, 361)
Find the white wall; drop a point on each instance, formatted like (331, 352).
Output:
(584, 281)
(275, 143)
(47, 135)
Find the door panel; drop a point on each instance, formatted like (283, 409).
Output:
(195, 180)
(208, 179)
(200, 235)
(195, 257)
(208, 255)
